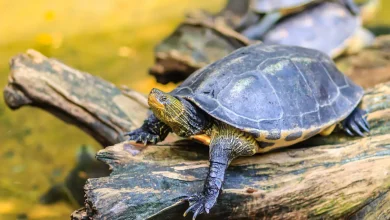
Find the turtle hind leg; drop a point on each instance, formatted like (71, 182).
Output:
(226, 144)
(356, 123)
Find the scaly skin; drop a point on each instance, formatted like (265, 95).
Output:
(227, 143)
(152, 131)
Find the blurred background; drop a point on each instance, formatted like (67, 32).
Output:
(113, 39)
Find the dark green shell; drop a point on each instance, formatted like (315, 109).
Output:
(263, 88)
(326, 27)
(265, 6)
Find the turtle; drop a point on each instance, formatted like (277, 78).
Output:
(258, 98)
(327, 26)
(273, 10)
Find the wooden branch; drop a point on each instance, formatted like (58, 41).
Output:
(94, 105)
(337, 177)
(199, 40)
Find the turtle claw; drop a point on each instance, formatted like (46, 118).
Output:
(356, 123)
(141, 136)
(199, 203)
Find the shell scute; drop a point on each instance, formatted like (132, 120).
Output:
(269, 89)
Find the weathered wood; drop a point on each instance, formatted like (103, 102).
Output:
(338, 177)
(341, 176)
(371, 65)
(377, 209)
(200, 39)
(80, 214)
(94, 105)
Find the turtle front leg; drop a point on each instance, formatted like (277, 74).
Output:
(152, 131)
(202, 202)
(226, 144)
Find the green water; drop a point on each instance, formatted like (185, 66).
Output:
(37, 149)
(111, 39)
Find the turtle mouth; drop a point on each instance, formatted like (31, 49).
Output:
(154, 102)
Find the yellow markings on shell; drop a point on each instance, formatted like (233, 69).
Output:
(272, 69)
(327, 131)
(304, 60)
(282, 142)
(267, 49)
(218, 71)
(240, 85)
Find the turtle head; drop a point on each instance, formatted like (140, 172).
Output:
(165, 107)
(179, 114)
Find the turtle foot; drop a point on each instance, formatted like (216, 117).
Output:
(142, 136)
(356, 123)
(200, 203)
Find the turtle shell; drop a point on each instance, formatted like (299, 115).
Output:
(327, 27)
(273, 91)
(265, 6)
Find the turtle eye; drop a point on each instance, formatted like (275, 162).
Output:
(164, 98)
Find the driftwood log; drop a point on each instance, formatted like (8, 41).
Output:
(92, 104)
(333, 177)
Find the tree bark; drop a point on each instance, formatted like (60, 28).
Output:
(94, 105)
(323, 178)
(328, 177)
